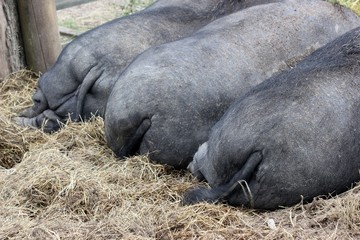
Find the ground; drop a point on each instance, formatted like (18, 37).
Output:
(86, 16)
(69, 185)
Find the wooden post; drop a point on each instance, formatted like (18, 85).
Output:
(4, 64)
(40, 33)
(11, 50)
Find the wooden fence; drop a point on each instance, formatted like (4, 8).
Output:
(29, 34)
(61, 4)
(40, 32)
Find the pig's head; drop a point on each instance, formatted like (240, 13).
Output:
(53, 104)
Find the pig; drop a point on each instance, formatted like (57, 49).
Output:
(79, 83)
(170, 96)
(292, 138)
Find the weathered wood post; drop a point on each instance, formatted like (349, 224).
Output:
(40, 33)
(11, 51)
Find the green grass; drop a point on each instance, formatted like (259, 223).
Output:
(134, 6)
(70, 23)
(352, 4)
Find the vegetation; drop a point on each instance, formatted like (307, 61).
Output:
(353, 4)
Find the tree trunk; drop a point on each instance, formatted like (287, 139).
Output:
(11, 50)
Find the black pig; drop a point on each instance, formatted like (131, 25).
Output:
(293, 137)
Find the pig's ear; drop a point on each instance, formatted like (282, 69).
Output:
(132, 142)
(40, 104)
(89, 81)
(28, 113)
(200, 194)
(30, 122)
(48, 121)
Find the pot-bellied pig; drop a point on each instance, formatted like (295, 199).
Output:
(167, 100)
(291, 138)
(80, 82)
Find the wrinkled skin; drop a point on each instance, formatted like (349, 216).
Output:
(296, 135)
(79, 83)
(167, 100)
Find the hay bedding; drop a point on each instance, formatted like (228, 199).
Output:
(69, 185)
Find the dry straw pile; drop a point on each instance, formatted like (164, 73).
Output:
(69, 185)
